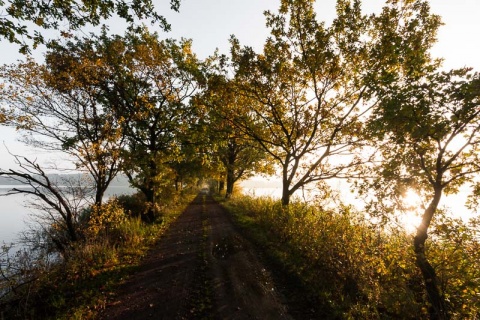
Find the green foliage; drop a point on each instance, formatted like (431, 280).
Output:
(105, 217)
(427, 133)
(353, 269)
(133, 205)
(314, 97)
(313, 85)
(456, 257)
(153, 82)
(236, 154)
(116, 102)
(57, 106)
(47, 15)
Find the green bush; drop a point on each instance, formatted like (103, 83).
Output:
(455, 254)
(133, 205)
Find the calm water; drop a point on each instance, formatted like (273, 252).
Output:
(14, 214)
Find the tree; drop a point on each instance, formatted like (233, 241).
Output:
(240, 155)
(63, 205)
(58, 107)
(16, 14)
(148, 84)
(189, 166)
(313, 85)
(428, 132)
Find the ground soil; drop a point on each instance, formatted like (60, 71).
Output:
(203, 268)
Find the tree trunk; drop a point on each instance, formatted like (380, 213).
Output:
(150, 199)
(230, 183)
(151, 191)
(101, 185)
(285, 183)
(438, 310)
(100, 192)
(285, 194)
(71, 227)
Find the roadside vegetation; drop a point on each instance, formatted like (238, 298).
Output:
(352, 269)
(38, 283)
(358, 99)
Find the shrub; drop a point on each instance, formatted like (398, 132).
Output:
(133, 205)
(105, 218)
(455, 254)
(356, 269)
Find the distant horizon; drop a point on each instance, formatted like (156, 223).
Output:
(119, 180)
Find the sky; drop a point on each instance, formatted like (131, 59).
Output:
(210, 23)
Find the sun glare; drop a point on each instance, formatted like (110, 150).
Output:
(410, 218)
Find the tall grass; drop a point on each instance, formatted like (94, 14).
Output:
(351, 268)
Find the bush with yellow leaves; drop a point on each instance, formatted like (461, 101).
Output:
(105, 218)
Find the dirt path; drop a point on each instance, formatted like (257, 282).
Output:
(202, 269)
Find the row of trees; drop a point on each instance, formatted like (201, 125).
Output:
(129, 104)
(360, 98)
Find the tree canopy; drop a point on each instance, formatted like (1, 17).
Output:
(17, 17)
(313, 85)
(240, 155)
(58, 108)
(148, 83)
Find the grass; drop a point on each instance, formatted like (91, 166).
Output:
(338, 264)
(349, 268)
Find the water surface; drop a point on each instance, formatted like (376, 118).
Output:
(14, 214)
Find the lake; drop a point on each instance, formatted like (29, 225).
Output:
(14, 214)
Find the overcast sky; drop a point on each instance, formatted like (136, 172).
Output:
(211, 22)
